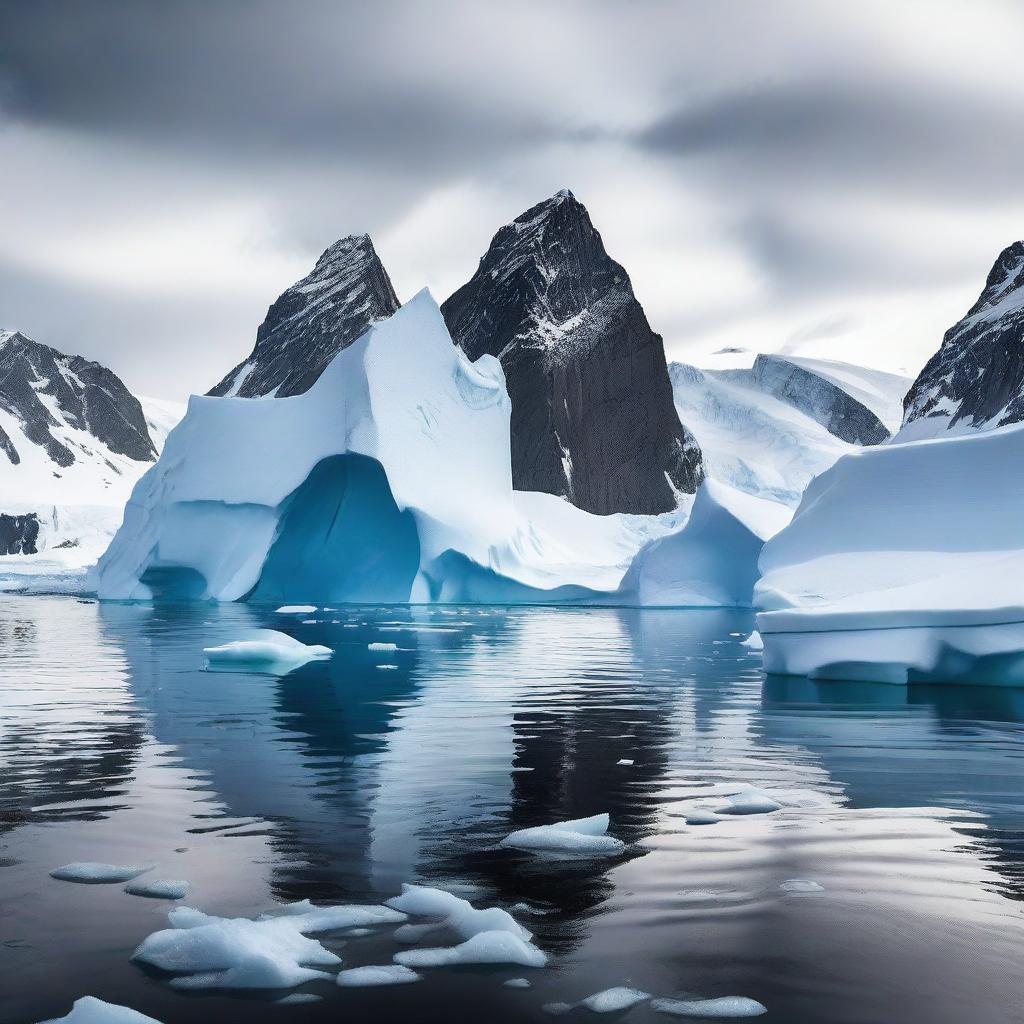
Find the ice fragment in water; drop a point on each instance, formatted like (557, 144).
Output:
(159, 889)
(580, 837)
(388, 974)
(711, 1009)
(90, 1010)
(92, 873)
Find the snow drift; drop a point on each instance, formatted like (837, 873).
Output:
(902, 564)
(388, 481)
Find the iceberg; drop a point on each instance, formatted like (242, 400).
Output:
(90, 1010)
(902, 565)
(580, 837)
(92, 873)
(389, 482)
(370, 977)
(497, 947)
(614, 1000)
(265, 647)
(159, 889)
(724, 1007)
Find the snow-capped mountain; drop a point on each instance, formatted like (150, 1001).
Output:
(313, 320)
(592, 413)
(73, 442)
(760, 433)
(976, 379)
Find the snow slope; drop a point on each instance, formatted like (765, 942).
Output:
(903, 563)
(750, 440)
(389, 480)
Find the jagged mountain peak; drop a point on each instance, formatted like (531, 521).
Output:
(976, 379)
(312, 321)
(592, 413)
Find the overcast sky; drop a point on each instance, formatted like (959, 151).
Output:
(831, 178)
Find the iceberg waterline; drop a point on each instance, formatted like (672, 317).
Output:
(390, 481)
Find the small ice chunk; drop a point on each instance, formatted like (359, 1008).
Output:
(624, 760)
(454, 912)
(801, 887)
(296, 609)
(387, 974)
(750, 801)
(518, 983)
(360, 932)
(708, 1009)
(497, 947)
(90, 1010)
(382, 647)
(754, 642)
(91, 873)
(159, 889)
(615, 1000)
(266, 647)
(699, 816)
(529, 908)
(298, 999)
(310, 919)
(580, 837)
(387, 668)
(221, 952)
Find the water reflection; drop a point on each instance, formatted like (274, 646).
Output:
(342, 779)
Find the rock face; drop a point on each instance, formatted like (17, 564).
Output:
(311, 322)
(51, 395)
(592, 414)
(18, 534)
(836, 410)
(976, 379)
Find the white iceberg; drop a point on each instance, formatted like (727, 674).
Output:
(518, 983)
(93, 873)
(389, 482)
(496, 947)
(159, 889)
(90, 1010)
(712, 560)
(273, 952)
(382, 647)
(724, 1007)
(614, 1000)
(902, 564)
(265, 647)
(452, 912)
(700, 816)
(750, 801)
(580, 837)
(370, 977)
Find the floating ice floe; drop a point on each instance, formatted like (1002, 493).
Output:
(296, 609)
(266, 647)
(497, 947)
(699, 816)
(369, 977)
(492, 936)
(580, 837)
(312, 919)
(711, 1009)
(801, 887)
(90, 1010)
(382, 647)
(298, 999)
(614, 1000)
(272, 952)
(518, 983)
(750, 801)
(386, 668)
(159, 889)
(625, 761)
(92, 873)
(754, 642)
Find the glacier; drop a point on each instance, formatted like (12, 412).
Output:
(389, 481)
(901, 565)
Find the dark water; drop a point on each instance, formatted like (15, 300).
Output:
(340, 781)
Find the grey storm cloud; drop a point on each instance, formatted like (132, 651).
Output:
(878, 132)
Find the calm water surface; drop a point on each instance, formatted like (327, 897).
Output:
(340, 781)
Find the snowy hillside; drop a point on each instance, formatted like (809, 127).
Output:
(893, 569)
(313, 320)
(750, 440)
(73, 442)
(592, 413)
(976, 379)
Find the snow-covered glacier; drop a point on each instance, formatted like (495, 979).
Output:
(389, 480)
(903, 564)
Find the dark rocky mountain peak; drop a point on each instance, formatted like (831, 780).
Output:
(313, 320)
(48, 392)
(592, 413)
(976, 379)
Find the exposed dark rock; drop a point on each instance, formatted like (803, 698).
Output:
(977, 376)
(46, 390)
(311, 322)
(18, 534)
(592, 413)
(838, 412)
